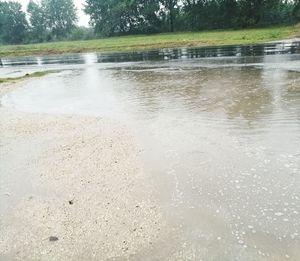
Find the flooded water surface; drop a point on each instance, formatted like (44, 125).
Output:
(220, 133)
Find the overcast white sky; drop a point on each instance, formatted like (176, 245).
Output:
(83, 18)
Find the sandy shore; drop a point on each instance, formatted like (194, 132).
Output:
(72, 188)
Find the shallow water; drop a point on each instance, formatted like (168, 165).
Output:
(220, 131)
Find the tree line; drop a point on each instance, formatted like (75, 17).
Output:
(49, 20)
(46, 20)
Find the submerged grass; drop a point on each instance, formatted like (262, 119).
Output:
(26, 76)
(165, 40)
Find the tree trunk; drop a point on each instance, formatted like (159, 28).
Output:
(171, 9)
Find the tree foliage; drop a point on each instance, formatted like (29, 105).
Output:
(56, 19)
(296, 10)
(123, 17)
(212, 14)
(61, 16)
(51, 19)
(38, 22)
(113, 17)
(13, 24)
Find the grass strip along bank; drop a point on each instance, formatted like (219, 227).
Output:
(26, 76)
(146, 42)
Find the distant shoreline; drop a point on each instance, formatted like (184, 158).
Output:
(157, 41)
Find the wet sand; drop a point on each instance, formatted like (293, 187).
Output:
(72, 188)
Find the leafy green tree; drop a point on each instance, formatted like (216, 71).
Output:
(149, 16)
(210, 14)
(192, 14)
(251, 12)
(61, 16)
(265, 12)
(227, 13)
(104, 15)
(51, 19)
(296, 10)
(114, 17)
(202, 14)
(13, 24)
(277, 12)
(111, 17)
(171, 11)
(38, 22)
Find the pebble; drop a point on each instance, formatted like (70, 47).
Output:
(53, 239)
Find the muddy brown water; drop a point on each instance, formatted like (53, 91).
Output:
(220, 133)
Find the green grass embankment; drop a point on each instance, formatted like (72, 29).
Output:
(146, 42)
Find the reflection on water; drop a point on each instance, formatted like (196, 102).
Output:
(221, 139)
(158, 55)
